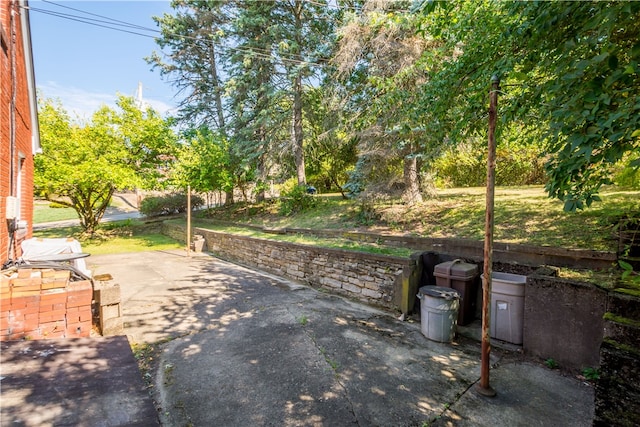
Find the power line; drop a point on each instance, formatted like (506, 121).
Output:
(113, 24)
(99, 16)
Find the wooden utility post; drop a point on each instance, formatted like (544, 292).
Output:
(188, 220)
(484, 387)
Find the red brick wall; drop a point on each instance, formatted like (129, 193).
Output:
(23, 126)
(44, 304)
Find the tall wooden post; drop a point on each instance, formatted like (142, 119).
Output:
(484, 387)
(188, 220)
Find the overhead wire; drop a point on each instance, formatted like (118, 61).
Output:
(99, 16)
(114, 24)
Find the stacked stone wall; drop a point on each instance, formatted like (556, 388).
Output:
(375, 279)
(617, 397)
(371, 278)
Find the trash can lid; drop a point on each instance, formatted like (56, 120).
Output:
(439, 292)
(456, 269)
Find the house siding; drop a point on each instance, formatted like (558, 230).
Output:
(12, 46)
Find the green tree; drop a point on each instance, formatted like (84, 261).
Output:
(268, 52)
(82, 165)
(385, 60)
(570, 74)
(189, 59)
(330, 151)
(203, 162)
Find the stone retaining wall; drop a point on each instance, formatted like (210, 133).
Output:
(527, 255)
(375, 279)
(617, 397)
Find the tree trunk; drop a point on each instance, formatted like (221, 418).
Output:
(297, 133)
(261, 166)
(411, 193)
(216, 84)
(228, 197)
(298, 137)
(85, 205)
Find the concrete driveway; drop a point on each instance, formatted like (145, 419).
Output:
(244, 348)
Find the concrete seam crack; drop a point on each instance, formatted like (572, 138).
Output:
(334, 368)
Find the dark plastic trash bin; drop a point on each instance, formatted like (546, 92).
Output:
(438, 312)
(462, 277)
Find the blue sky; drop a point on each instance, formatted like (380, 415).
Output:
(85, 65)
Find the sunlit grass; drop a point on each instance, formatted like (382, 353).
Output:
(43, 212)
(305, 239)
(117, 237)
(522, 215)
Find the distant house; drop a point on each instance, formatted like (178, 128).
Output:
(19, 133)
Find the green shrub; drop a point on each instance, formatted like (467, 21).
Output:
(625, 175)
(56, 205)
(466, 166)
(296, 200)
(169, 204)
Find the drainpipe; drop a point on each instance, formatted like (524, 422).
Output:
(12, 124)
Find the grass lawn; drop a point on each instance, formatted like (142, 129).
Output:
(523, 215)
(43, 212)
(117, 237)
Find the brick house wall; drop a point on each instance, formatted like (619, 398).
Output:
(19, 135)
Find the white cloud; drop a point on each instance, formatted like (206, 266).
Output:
(81, 104)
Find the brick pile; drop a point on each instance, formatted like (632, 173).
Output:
(44, 304)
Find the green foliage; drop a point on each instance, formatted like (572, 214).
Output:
(411, 85)
(568, 69)
(551, 364)
(367, 214)
(277, 48)
(591, 374)
(203, 162)
(82, 165)
(330, 152)
(628, 274)
(357, 180)
(169, 204)
(56, 205)
(466, 165)
(626, 175)
(296, 200)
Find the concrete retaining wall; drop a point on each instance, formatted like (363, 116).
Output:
(563, 320)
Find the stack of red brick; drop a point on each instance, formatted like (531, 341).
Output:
(44, 303)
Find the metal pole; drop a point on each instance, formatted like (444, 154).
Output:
(188, 220)
(484, 387)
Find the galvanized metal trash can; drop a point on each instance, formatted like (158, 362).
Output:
(438, 312)
(462, 277)
(507, 307)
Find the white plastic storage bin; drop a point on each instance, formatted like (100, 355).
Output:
(507, 306)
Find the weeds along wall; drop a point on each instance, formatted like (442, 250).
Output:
(375, 279)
